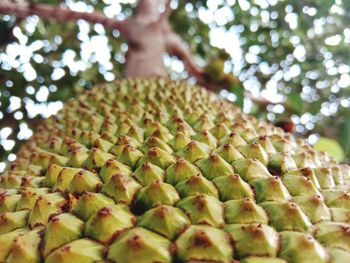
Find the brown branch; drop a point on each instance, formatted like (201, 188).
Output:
(142, 46)
(167, 11)
(177, 47)
(60, 14)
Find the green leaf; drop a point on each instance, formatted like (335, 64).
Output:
(314, 107)
(295, 102)
(239, 92)
(331, 147)
(344, 135)
(6, 35)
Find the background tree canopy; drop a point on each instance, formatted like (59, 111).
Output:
(294, 53)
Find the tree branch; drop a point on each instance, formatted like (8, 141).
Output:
(147, 18)
(177, 47)
(60, 14)
(167, 11)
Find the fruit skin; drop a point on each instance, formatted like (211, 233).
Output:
(25, 247)
(285, 216)
(244, 211)
(140, 245)
(153, 170)
(262, 260)
(81, 250)
(339, 255)
(165, 220)
(108, 222)
(298, 247)
(203, 243)
(254, 239)
(61, 230)
(7, 242)
(12, 220)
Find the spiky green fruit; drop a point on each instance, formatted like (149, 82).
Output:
(10, 221)
(244, 211)
(108, 222)
(265, 142)
(121, 142)
(301, 182)
(254, 239)
(112, 167)
(96, 159)
(228, 153)
(25, 248)
(179, 141)
(80, 250)
(153, 170)
(338, 255)
(147, 173)
(254, 150)
(234, 139)
(121, 188)
(194, 151)
(196, 184)
(154, 194)
(10, 180)
(140, 245)
(299, 247)
(232, 187)
(165, 220)
(51, 174)
(203, 209)
(214, 166)
(281, 162)
(254, 259)
(61, 230)
(314, 207)
(270, 189)
(250, 169)
(337, 175)
(130, 156)
(287, 216)
(180, 171)
(29, 195)
(7, 241)
(337, 198)
(333, 234)
(324, 177)
(158, 157)
(207, 138)
(220, 130)
(65, 177)
(90, 203)
(340, 215)
(46, 206)
(203, 244)
(85, 181)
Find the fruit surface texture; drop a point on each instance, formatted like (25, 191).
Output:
(156, 171)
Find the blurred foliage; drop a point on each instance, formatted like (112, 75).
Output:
(293, 52)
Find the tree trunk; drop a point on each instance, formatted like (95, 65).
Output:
(146, 40)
